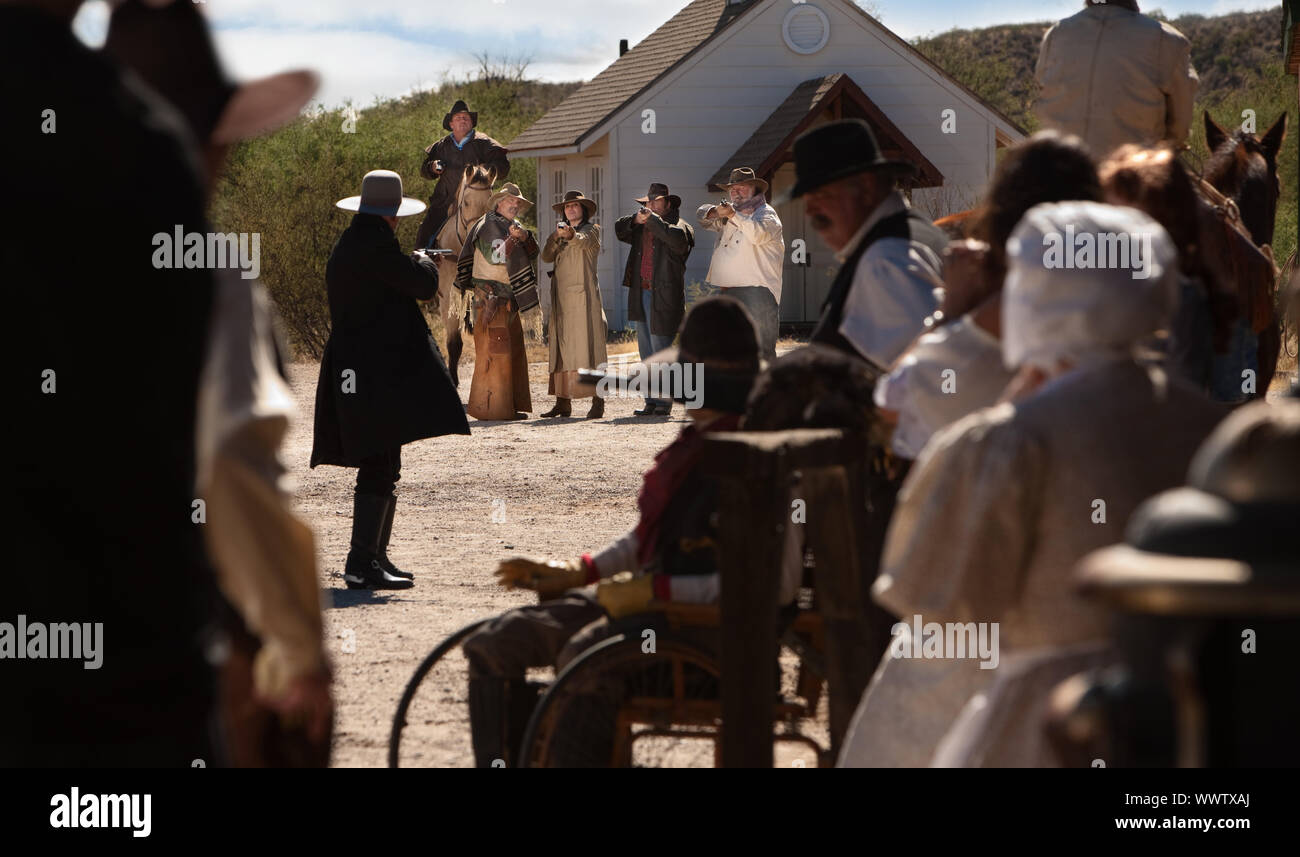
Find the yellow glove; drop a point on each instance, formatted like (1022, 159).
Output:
(546, 578)
(623, 594)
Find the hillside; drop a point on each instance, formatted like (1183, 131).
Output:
(285, 185)
(1236, 56)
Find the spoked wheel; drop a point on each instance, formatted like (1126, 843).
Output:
(619, 706)
(431, 726)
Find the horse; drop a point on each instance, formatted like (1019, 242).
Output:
(1243, 167)
(470, 204)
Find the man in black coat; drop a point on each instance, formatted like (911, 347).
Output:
(445, 162)
(656, 274)
(382, 380)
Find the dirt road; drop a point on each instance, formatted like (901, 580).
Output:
(563, 487)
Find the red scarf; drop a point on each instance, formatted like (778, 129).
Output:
(672, 465)
(647, 255)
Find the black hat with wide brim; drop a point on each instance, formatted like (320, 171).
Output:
(834, 151)
(460, 107)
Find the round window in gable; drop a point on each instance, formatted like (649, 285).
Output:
(806, 29)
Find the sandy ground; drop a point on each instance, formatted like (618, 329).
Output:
(542, 487)
(563, 487)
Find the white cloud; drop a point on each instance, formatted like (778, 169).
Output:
(359, 65)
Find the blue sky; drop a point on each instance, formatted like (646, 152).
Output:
(369, 48)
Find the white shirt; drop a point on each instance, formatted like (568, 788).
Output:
(750, 249)
(950, 372)
(892, 292)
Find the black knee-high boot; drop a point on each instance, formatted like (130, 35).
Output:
(363, 570)
(384, 562)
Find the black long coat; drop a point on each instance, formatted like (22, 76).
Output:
(674, 239)
(399, 387)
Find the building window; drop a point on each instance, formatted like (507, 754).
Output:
(594, 176)
(557, 185)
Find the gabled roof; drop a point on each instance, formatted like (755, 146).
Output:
(575, 118)
(683, 34)
(769, 146)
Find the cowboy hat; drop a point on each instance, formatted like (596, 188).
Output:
(660, 191)
(381, 193)
(507, 189)
(576, 196)
(170, 47)
(745, 175)
(834, 151)
(460, 107)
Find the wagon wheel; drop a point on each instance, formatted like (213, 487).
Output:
(449, 696)
(615, 705)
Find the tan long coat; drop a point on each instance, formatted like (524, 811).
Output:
(577, 325)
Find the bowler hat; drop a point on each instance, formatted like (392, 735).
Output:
(381, 193)
(835, 150)
(170, 48)
(460, 107)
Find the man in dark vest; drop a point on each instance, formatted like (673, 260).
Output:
(892, 257)
(382, 380)
(463, 147)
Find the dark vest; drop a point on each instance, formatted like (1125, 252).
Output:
(687, 543)
(907, 225)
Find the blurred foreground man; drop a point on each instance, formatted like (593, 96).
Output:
(276, 706)
(114, 593)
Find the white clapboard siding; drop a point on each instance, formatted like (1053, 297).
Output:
(707, 107)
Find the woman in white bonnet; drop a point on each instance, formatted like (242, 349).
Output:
(1001, 504)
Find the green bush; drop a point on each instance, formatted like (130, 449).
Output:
(284, 186)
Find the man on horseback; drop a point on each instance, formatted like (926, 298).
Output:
(1111, 76)
(463, 147)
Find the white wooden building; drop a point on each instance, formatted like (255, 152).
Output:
(727, 83)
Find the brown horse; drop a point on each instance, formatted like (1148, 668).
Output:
(469, 205)
(1243, 168)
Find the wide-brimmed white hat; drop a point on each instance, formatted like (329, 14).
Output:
(381, 193)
